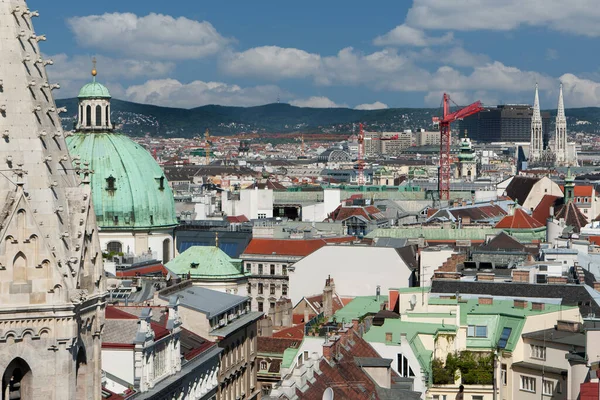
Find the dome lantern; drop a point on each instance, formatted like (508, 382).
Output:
(94, 106)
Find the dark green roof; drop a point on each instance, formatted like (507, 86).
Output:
(206, 263)
(94, 90)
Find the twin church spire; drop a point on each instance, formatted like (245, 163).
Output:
(536, 147)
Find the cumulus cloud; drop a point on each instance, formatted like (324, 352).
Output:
(172, 93)
(579, 92)
(372, 106)
(316, 102)
(271, 62)
(73, 72)
(155, 36)
(404, 35)
(464, 15)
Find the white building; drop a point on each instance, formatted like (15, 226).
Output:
(357, 270)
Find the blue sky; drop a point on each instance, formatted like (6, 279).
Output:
(402, 53)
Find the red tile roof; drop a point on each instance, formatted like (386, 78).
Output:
(291, 247)
(275, 345)
(583, 190)
(595, 240)
(542, 211)
(238, 219)
(112, 312)
(156, 269)
(370, 213)
(572, 216)
(347, 379)
(519, 220)
(294, 332)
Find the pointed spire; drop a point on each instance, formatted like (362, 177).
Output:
(561, 106)
(536, 104)
(94, 70)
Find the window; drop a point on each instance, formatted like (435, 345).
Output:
(262, 216)
(548, 388)
(504, 338)
(161, 183)
(558, 387)
(272, 306)
(477, 397)
(503, 374)
(284, 290)
(272, 289)
(477, 331)
(272, 269)
(114, 247)
(249, 289)
(439, 397)
(404, 368)
(263, 365)
(260, 288)
(527, 383)
(248, 267)
(260, 269)
(284, 270)
(538, 352)
(110, 183)
(260, 306)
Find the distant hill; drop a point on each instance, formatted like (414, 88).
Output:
(140, 119)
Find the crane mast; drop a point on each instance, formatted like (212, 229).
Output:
(445, 141)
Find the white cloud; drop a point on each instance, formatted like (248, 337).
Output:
(155, 36)
(372, 106)
(579, 92)
(404, 35)
(316, 102)
(577, 17)
(172, 93)
(271, 62)
(73, 72)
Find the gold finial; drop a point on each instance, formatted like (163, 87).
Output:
(217, 239)
(94, 71)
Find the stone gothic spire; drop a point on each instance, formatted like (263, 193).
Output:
(51, 273)
(560, 139)
(536, 145)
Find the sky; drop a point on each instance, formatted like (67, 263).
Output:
(327, 53)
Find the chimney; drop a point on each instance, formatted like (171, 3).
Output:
(378, 293)
(464, 203)
(537, 306)
(306, 314)
(520, 275)
(173, 320)
(328, 297)
(568, 326)
(485, 301)
(597, 286)
(557, 280)
(482, 276)
(388, 337)
(330, 348)
(355, 324)
(520, 304)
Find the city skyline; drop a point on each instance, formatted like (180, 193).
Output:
(325, 55)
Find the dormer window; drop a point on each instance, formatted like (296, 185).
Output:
(161, 183)
(110, 183)
(194, 265)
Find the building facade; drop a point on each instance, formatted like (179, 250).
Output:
(227, 320)
(52, 296)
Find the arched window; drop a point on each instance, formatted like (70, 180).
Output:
(17, 381)
(107, 116)
(88, 116)
(81, 375)
(114, 247)
(81, 114)
(98, 116)
(166, 250)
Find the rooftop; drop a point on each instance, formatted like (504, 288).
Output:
(206, 301)
(206, 262)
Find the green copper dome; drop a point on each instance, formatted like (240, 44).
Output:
(206, 263)
(129, 189)
(94, 90)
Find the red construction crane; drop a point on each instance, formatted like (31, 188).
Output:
(445, 121)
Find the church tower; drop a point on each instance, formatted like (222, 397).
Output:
(466, 169)
(536, 145)
(560, 139)
(51, 276)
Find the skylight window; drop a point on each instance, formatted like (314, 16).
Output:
(504, 338)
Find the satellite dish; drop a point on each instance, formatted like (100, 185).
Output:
(328, 394)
